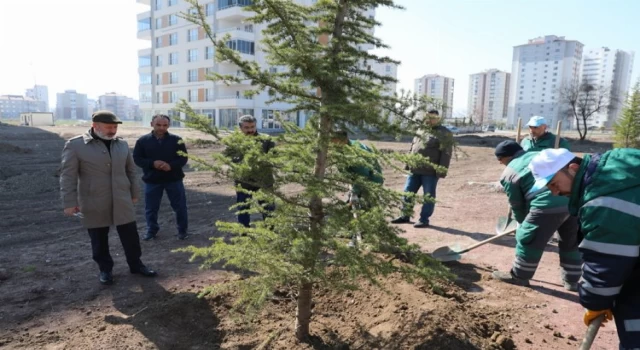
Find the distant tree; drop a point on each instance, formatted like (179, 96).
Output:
(301, 245)
(627, 127)
(582, 101)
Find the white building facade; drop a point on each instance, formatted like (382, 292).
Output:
(540, 69)
(39, 93)
(610, 70)
(72, 105)
(181, 56)
(437, 87)
(489, 96)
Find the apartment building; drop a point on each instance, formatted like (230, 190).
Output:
(540, 68)
(126, 108)
(12, 105)
(611, 71)
(72, 105)
(489, 96)
(181, 56)
(39, 93)
(437, 87)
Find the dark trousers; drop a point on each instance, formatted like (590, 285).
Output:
(428, 184)
(626, 314)
(130, 242)
(245, 218)
(177, 199)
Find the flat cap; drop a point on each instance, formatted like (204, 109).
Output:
(106, 117)
(507, 148)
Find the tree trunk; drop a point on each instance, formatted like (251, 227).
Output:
(584, 124)
(303, 312)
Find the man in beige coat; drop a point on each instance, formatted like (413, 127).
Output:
(98, 183)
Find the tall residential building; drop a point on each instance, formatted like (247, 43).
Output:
(610, 70)
(92, 106)
(124, 107)
(39, 93)
(181, 56)
(437, 87)
(72, 105)
(540, 69)
(12, 105)
(489, 96)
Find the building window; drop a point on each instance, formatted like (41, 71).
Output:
(144, 61)
(173, 97)
(145, 78)
(192, 55)
(157, 4)
(158, 42)
(242, 46)
(158, 97)
(144, 24)
(173, 58)
(229, 117)
(193, 95)
(172, 2)
(192, 75)
(173, 78)
(223, 4)
(158, 79)
(208, 54)
(208, 94)
(173, 20)
(192, 35)
(158, 23)
(158, 61)
(173, 39)
(145, 96)
(388, 69)
(209, 9)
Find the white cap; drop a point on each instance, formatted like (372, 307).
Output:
(546, 164)
(537, 121)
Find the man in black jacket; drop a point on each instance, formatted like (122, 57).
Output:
(157, 154)
(261, 177)
(437, 148)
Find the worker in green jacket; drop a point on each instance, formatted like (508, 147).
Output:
(604, 192)
(539, 137)
(367, 169)
(539, 215)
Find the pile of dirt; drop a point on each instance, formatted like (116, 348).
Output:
(9, 148)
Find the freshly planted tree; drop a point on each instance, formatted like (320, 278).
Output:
(627, 128)
(301, 245)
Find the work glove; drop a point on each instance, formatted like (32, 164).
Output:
(589, 316)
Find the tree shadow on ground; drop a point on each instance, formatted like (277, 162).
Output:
(168, 320)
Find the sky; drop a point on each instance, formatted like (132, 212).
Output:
(91, 45)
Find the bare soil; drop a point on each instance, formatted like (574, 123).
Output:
(50, 297)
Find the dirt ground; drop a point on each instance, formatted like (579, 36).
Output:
(50, 297)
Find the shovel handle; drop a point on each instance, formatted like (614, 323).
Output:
(487, 241)
(592, 331)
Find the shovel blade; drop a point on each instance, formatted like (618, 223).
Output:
(445, 254)
(505, 223)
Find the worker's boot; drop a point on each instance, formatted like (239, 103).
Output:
(509, 278)
(571, 286)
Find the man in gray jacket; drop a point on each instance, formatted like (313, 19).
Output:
(98, 183)
(437, 148)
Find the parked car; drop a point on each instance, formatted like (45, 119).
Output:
(454, 130)
(490, 128)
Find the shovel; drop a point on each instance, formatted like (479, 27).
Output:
(447, 254)
(592, 331)
(505, 223)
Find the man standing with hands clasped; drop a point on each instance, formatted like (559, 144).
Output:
(604, 192)
(98, 180)
(158, 154)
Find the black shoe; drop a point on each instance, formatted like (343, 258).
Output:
(144, 271)
(149, 236)
(106, 278)
(401, 220)
(421, 224)
(182, 236)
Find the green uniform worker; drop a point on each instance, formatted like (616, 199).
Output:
(539, 215)
(539, 138)
(604, 192)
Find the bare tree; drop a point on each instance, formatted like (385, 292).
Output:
(583, 100)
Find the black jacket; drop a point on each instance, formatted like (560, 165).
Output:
(437, 148)
(149, 149)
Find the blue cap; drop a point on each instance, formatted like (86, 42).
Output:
(537, 121)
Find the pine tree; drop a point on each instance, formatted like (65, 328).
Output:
(627, 127)
(302, 245)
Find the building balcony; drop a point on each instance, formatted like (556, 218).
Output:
(237, 32)
(144, 34)
(233, 10)
(234, 101)
(144, 2)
